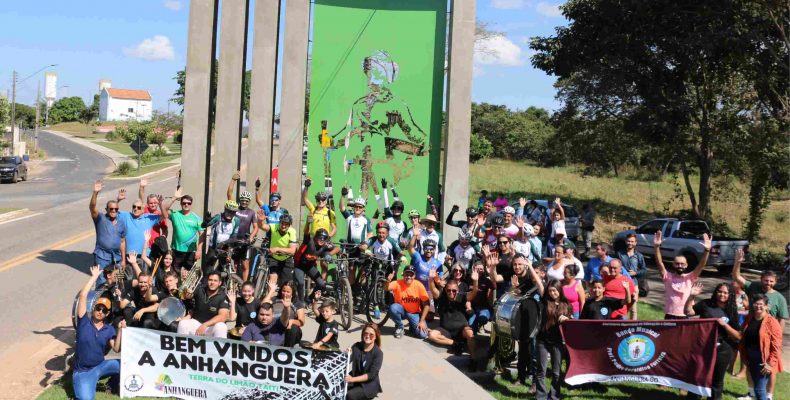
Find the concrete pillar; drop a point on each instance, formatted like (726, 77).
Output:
(459, 108)
(266, 27)
(227, 131)
(294, 84)
(197, 94)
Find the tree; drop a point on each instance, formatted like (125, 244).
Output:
(5, 112)
(666, 70)
(181, 77)
(25, 116)
(515, 135)
(67, 109)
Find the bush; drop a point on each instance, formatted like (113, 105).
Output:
(479, 148)
(178, 138)
(158, 152)
(763, 260)
(124, 168)
(157, 138)
(146, 158)
(110, 136)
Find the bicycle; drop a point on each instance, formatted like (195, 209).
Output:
(225, 262)
(375, 289)
(259, 269)
(340, 287)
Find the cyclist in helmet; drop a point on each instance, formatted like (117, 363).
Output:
(383, 246)
(424, 261)
(282, 246)
(358, 227)
(464, 250)
(393, 213)
(509, 228)
(494, 230)
(248, 224)
(320, 216)
(315, 248)
(471, 224)
(223, 227)
(272, 211)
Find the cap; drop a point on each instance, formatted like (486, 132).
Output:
(103, 301)
(429, 218)
(409, 268)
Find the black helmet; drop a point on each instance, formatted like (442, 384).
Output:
(322, 234)
(471, 212)
(428, 243)
(321, 196)
(397, 205)
(499, 221)
(286, 219)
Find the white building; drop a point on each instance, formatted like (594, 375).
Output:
(124, 105)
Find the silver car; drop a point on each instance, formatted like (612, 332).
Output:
(572, 222)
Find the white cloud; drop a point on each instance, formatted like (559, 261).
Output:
(549, 10)
(174, 5)
(508, 4)
(498, 50)
(154, 48)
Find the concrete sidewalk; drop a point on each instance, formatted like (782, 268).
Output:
(412, 368)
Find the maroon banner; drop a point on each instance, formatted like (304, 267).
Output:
(674, 353)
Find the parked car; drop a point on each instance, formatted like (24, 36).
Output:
(572, 222)
(13, 168)
(683, 238)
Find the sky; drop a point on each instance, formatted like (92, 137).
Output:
(142, 44)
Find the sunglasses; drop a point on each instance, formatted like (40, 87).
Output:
(101, 309)
(503, 243)
(137, 207)
(405, 274)
(451, 290)
(359, 207)
(186, 203)
(428, 249)
(112, 208)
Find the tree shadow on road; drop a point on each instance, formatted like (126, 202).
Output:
(56, 365)
(79, 260)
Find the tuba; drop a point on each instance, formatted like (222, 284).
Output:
(191, 281)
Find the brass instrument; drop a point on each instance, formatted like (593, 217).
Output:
(192, 280)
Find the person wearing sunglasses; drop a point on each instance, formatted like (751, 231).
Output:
(94, 335)
(248, 224)
(138, 223)
(110, 233)
(411, 302)
(366, 360)
(359, 228)
(453, 327)
(188, 233)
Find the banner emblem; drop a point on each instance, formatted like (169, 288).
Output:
(636, 350)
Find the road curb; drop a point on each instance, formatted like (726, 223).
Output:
(177, 164)
(113, 155)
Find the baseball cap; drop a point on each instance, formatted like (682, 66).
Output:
(103, 301)
(409, 268)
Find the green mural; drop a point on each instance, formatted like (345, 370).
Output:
(376, 93)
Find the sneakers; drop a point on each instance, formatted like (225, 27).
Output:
(399, 333)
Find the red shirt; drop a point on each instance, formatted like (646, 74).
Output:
(158, 229)
(613, 287)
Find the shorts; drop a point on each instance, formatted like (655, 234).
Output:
(243, 253)
(284, 269)
(183, 259)
(456, 334)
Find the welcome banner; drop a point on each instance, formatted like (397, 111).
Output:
(376, 92)
(675, 353)
(162, 364)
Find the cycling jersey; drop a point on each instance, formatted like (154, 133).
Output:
(282, 240)
(358, 227)
(463, 256)
(396, 228)
(511, 231)
(387, 250)
(308, 253)
(222, 230)
(423, 268)
(321, 219)
(247, 217)
(273, 216)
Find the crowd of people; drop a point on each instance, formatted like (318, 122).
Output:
(517, 249)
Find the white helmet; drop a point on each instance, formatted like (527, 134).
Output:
(509, 210)
(529, 230)
(360, 201)
(245, 195)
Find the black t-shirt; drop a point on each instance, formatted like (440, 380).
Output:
(246, 312)
(308, 252)
(484, 284)
(295, 306)
(452, 313)
(139, 298)
(159, 279)
(325, 328)
(707, 310)
(601, 309)
(525, 283)
(751, 336)
(205, 307)
(505, 267)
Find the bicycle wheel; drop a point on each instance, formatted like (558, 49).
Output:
(261, 279)
(345, 302)
(376, 298)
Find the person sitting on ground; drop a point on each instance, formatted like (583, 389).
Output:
(156, 296)
(599, 307)
(188, 234)
(411, 302)
(114, 289)
(137, 311)
(266, 328)
(282, 247)
(248, 224)
(592, 269)
(458, 276)
(366, 360)
(211, 310)
(464, 250)
(721, 306)
(556, 310)
(453, 328)
(480, 308)
(244, 308)
(613, 279)
(761, 347)
(573, 290)
(94, 335)
(328, 328)
(293, 333)
(110, 245)
(678, 282)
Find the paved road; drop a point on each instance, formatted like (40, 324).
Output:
(65, 176)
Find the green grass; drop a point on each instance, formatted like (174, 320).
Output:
(148, 168)
(4, 210)
(77, 129)
(503, 389)
(63, 390)
(622, 203)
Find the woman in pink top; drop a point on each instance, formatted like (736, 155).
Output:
(501, 202)
(678, 282)
(573, 290)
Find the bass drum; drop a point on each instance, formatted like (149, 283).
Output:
(517, 315)
(170, 309)
(92, 296)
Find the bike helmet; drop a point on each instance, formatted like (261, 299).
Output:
(286, 219)
(382, 224)
(414, 213)
(321, 196)
(471, 212)
(360, 202)
(397, 205)
(464, 235)
(245, 195)
(321, 234)
(529, 230)
(428, 244)
(231, 205)
(498, 221)
(275, 196)
(509, 210)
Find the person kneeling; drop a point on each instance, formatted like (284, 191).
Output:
(266, 328)
(453, 326)
(210, 311)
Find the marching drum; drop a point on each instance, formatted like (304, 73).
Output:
(170, 309)
(517, 316)
(93, 295)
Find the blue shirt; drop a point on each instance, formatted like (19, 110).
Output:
(273, 216)
(108, 237)
(423, 267)
(592, 272)
(91, 343)
(136, 228)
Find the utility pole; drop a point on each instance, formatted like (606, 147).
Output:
(38, 115)
(13, 112)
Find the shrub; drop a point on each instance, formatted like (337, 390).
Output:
(124, 168)
(157, 138)
(158, 152)
(479, 148)
(764, 260)
(110, 136)
(146, 158)
(178, 137)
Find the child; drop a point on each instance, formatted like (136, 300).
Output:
(482, 199)
(558, 218)
(601, 307)
(328, 329)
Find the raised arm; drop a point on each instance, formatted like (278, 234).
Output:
(696, 289)
(343, 194)
(413, 242)
(559, 207)
(707, 244)
(165, 208)
(432, 277)
(657, 240)
(82, 305)
(232, 184)
(141, 189)
(92, 206)
(258, 197)
(121, 196)
(535, 278)
(736, 268)
(473, 291)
